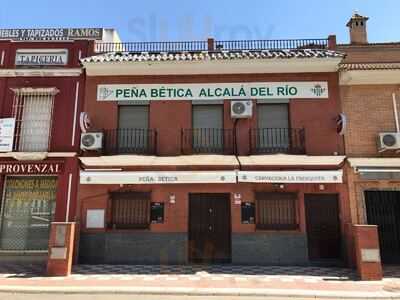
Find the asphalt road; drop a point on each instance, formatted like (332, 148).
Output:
(10, 296)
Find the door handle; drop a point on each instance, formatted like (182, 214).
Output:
(210, 228)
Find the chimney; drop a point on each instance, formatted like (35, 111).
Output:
(358, 29)
(210, 44)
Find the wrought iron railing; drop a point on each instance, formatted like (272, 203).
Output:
(130, 141)
(277, 140)
(151, 46)
(193, 46)
(207, 140)
(272, 44)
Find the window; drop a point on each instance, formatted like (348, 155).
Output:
(133, 133)
(28, 210)
(130, 210)
(33, 110)
(133, 116)
(208, 131)
(273, 126)
(276, 211)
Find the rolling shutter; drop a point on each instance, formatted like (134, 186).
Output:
(132, 116)
(207, 116)
(273, 116)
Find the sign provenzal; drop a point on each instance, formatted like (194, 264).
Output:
(213, 91)
(30, 168)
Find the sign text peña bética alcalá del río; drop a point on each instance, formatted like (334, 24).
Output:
(213, 91)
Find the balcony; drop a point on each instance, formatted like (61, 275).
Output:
(207, 140)
(212, 45)
(130, 141)
(277, 140)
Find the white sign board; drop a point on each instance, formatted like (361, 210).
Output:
(58, 253)
(370, 255)
(41, 57)
(7, 127)
(291, 176)
(87, 177)
(213, 91)
(95, 218)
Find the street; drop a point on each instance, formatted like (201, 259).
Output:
(38, 296)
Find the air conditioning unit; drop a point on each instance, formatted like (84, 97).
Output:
(389, 141)
(241, 109)
(92, 141)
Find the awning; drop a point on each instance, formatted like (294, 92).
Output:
(115, 177)
(380, 168)
(276, 160)
(376, 162)
(160, 161)
(291, 176)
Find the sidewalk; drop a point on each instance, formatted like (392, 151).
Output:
(279, 282)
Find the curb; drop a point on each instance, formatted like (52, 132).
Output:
(277, 293)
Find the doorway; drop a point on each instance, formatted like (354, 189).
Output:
(383, 209)
(209, 228)
(323, 226)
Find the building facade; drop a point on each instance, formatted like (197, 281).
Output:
(215, 152)
(42, 87)
(370, 92)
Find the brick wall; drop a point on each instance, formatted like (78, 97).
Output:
(371, 53)
(369, 110)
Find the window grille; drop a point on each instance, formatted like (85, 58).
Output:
(130, 210)
(33, 113)
(276, 211)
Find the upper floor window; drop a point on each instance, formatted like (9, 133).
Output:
(273, 133)
(133, 117)
(133, 134)
(208, 128)
(273, 115)
(33, 113)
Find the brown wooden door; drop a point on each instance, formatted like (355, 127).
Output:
(209, 228)
(323, 227)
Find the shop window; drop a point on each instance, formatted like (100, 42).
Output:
(33, 113)
(27, 212)
(276, 211)
(130, 210)
(207, 128)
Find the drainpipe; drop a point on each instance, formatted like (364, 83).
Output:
(396, 116)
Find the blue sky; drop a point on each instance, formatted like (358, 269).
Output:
(154, 20)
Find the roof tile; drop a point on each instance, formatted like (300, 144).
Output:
(214, 55)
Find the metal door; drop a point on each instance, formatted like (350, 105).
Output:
(383, 209)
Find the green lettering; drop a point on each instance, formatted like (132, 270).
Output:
(242, 92)
(203, 93)
(154, 93)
